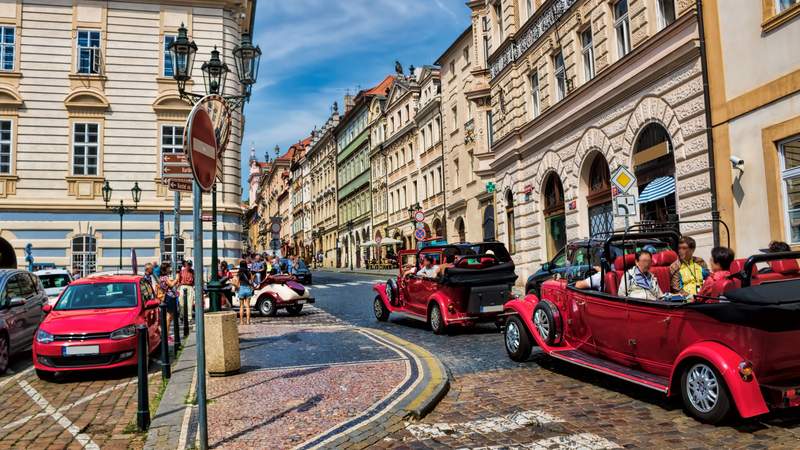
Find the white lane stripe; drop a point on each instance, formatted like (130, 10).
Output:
(319, 286)
(15, 376)
(498, 424)
(85, 440)
(337, 285)
(582, 441)
(353, 283)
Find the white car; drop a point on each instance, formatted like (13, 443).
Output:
(279, 292)
(54, 282)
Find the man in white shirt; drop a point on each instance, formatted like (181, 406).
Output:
(428, 269)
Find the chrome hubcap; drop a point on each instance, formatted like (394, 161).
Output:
(702, 387)
(512, 337)
(378, 308)
(435, 318)
(542, 324)
(267, 306)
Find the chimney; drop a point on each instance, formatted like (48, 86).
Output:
(349, 102)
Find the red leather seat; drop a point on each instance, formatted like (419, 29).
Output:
(785, 267)
(665, 258)
(611, 283)
(660, 268)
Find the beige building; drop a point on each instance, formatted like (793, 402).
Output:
(466, 108)
(754, 86)
(377, 158)
(578, 89)
(321, 157)
(86, 95)
(427, 173)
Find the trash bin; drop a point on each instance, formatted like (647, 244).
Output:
(222, 344)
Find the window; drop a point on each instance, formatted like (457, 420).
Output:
(416, 191)
(168, 70)
(7, 48)
(665, 13)
(439, 184)
(487, 38)
(465, 55)
(5, 146)
(560, 75)
(529, 7)
(535, 101)
(84, 254)
(88, 51)
(171, 139)
(489, 130)
(85, 148)
(622, 27)
(790, 174)
(587, 50)
(167, 255)
(452, 68)
(510, 230)
(456, 174)
(498, 13)
(454, 111)
(783, 5)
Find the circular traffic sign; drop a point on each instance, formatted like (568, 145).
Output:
(201, 146)
(419, 234)
(420, 225)
(276, 227)
(419, 216)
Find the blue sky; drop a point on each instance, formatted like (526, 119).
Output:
(315, 50)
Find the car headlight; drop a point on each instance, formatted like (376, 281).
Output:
(43, 337)
(124, 332)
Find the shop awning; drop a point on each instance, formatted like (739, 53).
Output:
(391, 241)
(657, 189)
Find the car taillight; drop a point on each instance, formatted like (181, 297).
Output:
(746, 370)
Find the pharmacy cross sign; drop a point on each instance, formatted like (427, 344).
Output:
(201, 146)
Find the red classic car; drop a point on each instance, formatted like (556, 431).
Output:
(93, 325)
(473, 284)
(734, 352)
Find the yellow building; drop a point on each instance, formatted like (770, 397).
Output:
(754, 87)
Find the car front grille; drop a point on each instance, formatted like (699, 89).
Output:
(83, 360)
(77, 337)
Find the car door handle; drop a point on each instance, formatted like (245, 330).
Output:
(667, 320)
(580, 302)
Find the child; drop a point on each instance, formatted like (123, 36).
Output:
(721, 259)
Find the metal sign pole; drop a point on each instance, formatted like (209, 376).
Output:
(176, 230)
(197, 249)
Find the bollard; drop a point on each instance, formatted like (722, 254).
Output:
(165, 369)
(143, 408)
(185, 315)
(176, 331)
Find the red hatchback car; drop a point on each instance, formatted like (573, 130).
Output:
(93, 325)
(734, 352)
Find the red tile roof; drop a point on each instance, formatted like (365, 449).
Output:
(382, 87)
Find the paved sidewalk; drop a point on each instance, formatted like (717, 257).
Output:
(357, 271)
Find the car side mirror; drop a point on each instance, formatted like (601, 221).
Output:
(151, 304)
(546, 267)
(47, 307)
(16, 301)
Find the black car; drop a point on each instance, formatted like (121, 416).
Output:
(301, 272)
(21, 299)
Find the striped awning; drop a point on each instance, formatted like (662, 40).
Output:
(657, 189)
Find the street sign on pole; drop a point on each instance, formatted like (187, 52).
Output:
(180, 185)
(490, 187)
(420, 225)
(419, 216)
(201, 147)
(183, 172)
(625, 206)
(161, 236)
(220, 115)
(623, 179)
(419, 234)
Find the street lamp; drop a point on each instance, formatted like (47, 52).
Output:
(136, 193)
(411, 212)
(215, 73)
(350, 234)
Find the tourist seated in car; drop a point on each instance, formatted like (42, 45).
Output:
(721, 259)
(639, 282)
(687, 272)
(428, 269)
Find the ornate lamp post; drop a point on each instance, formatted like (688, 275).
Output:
(411, 210)
(136, 193)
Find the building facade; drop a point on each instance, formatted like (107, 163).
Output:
(756, 119)
(87, 95)
(578, 89)
(428, 171)
(377, 161)
(321, 157)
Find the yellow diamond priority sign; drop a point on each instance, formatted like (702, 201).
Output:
(623, 179)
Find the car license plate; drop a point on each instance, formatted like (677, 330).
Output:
(76, 350)
(490, 309)
(301, 302)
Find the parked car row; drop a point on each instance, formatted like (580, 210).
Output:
(732, 353)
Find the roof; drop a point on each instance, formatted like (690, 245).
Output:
(363, 97)
(467, 31)
(382, 87)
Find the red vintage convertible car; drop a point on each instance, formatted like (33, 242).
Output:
(473, 287)
(735, 352)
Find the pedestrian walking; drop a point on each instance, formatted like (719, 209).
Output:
(224, 276)
(167, 284)
(186, 285)
(244, 283)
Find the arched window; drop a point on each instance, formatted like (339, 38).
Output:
(437, 228)
(601, 215)
(179, 247)
(461, 229)
(84, 254)
(654, 167)
(510, 230)
(488, 223)
(554, 218)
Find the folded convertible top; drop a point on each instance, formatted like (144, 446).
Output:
(767, 294)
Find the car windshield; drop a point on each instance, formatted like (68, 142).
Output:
(98, 296)
(59, 280)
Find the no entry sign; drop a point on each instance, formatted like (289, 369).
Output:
(201, 146)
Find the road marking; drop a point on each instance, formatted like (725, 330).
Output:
(62, 420)
(353, 283)
(337, 285)
(15, 376)
(583, 441)
(497, 424)
(319, 286)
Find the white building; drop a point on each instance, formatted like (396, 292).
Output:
(86, 95)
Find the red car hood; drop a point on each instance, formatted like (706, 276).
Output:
(88, 320)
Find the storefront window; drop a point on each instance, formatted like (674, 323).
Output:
(654, 167)
(601, 217)
(554, 218)
(790, 173)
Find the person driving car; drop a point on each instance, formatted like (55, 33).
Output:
(639, 282)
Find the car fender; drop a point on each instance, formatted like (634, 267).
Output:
(261, 295)
(380, 289)
(442, 301)
(746, 395)
(523, 307)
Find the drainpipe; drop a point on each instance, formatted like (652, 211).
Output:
(709, 124)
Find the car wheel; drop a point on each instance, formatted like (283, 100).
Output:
(435, 319)
(380, 310)
(45, 375)
(544, 322)
(518, 343)
(5, 353)
(294, 309)
(705, 395)
(266, 306)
